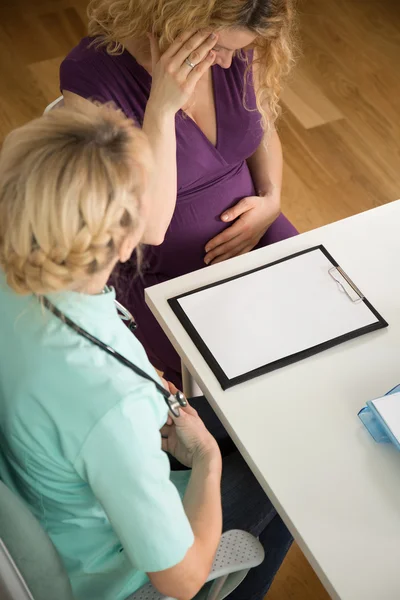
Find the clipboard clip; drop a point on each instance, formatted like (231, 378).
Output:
(346, 285)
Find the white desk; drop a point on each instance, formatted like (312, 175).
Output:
(337, 490)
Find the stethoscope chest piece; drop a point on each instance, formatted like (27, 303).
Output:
(175, 402)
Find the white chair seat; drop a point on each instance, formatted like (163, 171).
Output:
(238, 552)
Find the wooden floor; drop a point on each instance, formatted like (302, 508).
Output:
(341, 125)
(340, 128)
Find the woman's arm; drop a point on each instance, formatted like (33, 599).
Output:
(189, 441)
(160, 129)
(173, 83)
(123, 462)
(159, 126)
(202, 503)
(252, 215)
(266, 165)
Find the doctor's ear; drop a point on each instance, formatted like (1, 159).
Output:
(127, 247)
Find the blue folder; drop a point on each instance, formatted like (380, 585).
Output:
(376, 426)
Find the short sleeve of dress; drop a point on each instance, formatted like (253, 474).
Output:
(129, 474)
(84, 82)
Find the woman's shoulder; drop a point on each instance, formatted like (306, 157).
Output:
(82, 71)
(83, 65)
(65, 382)
(88, 50)
(91, 72)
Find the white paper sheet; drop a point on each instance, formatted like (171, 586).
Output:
(389, 409)
(273, 313)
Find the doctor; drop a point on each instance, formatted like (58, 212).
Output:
(83, 420)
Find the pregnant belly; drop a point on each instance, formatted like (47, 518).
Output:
(196, 220)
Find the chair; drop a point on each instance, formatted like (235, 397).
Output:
(55, 104)
(31, 569)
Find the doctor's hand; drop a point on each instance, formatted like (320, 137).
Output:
(251, 218)
(186, 437)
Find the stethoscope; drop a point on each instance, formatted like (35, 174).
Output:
(173, 401)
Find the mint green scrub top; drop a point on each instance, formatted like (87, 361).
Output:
(80, 438)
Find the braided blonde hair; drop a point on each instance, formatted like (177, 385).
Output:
(70, 190)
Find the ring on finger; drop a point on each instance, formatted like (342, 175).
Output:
(189, 63)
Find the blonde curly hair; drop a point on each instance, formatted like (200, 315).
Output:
(113, 21)
(70, 189)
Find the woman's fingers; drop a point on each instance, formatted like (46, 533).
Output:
(197, 73)
(165, 430)
(177, 44)
(185, 413)
(172, 388)
(195, 49)
(189, 410)
(172, 79)
(232, 253)
(236, 242)
(164, 382)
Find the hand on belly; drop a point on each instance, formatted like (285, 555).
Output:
(250, 219)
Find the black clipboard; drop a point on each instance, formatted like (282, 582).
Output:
(342, 280)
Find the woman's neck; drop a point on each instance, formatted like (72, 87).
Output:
(96, 283)
(140, 50)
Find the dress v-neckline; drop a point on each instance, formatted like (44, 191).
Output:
(215, 96)
(184, 115)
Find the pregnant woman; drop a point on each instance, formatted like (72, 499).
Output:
(219, 159)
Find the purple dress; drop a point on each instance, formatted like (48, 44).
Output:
(210, 179)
